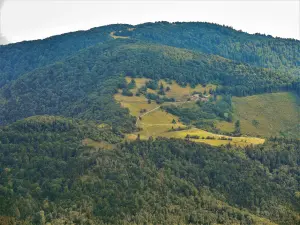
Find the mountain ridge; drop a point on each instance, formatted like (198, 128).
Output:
(66, 44)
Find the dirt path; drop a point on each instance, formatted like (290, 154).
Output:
(138, 119)
(156, 108)
(150, 111)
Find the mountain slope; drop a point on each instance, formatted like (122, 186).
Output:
(20, 58)
(48, 175)
(64, 156)
(257, 50)
(83, 85)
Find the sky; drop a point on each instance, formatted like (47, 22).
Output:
(38, 19)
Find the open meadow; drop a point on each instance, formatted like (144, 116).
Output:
(266, 115)
(153, 121)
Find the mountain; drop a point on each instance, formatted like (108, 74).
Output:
(258, 50)
(158, 123)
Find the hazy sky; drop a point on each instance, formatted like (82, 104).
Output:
(35, 19)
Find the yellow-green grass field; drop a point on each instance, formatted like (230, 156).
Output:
(176, 91)
(112, 34)
(266, 115)
(240, 141)
(155, 122)
(138, 81)
(134, 103)
(181, 93)
(225, 126)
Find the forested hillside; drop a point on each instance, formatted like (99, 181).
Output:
(21, 58)
(80, 115)
(48, 176)
(83, 85)
(258, 50)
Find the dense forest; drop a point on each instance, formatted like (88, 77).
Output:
(48, 175)
(258, 50)
(57, 93)
(20, 58)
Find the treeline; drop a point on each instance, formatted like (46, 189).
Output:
(252, 89)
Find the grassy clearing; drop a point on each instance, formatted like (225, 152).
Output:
(160, 116)
(159, 123)
(181, 93)
(240, 141)
(225, 126)
(135, 104)
(178, 92)
(139, 82)
(267, 115)
(152, 124)
(112, 34)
